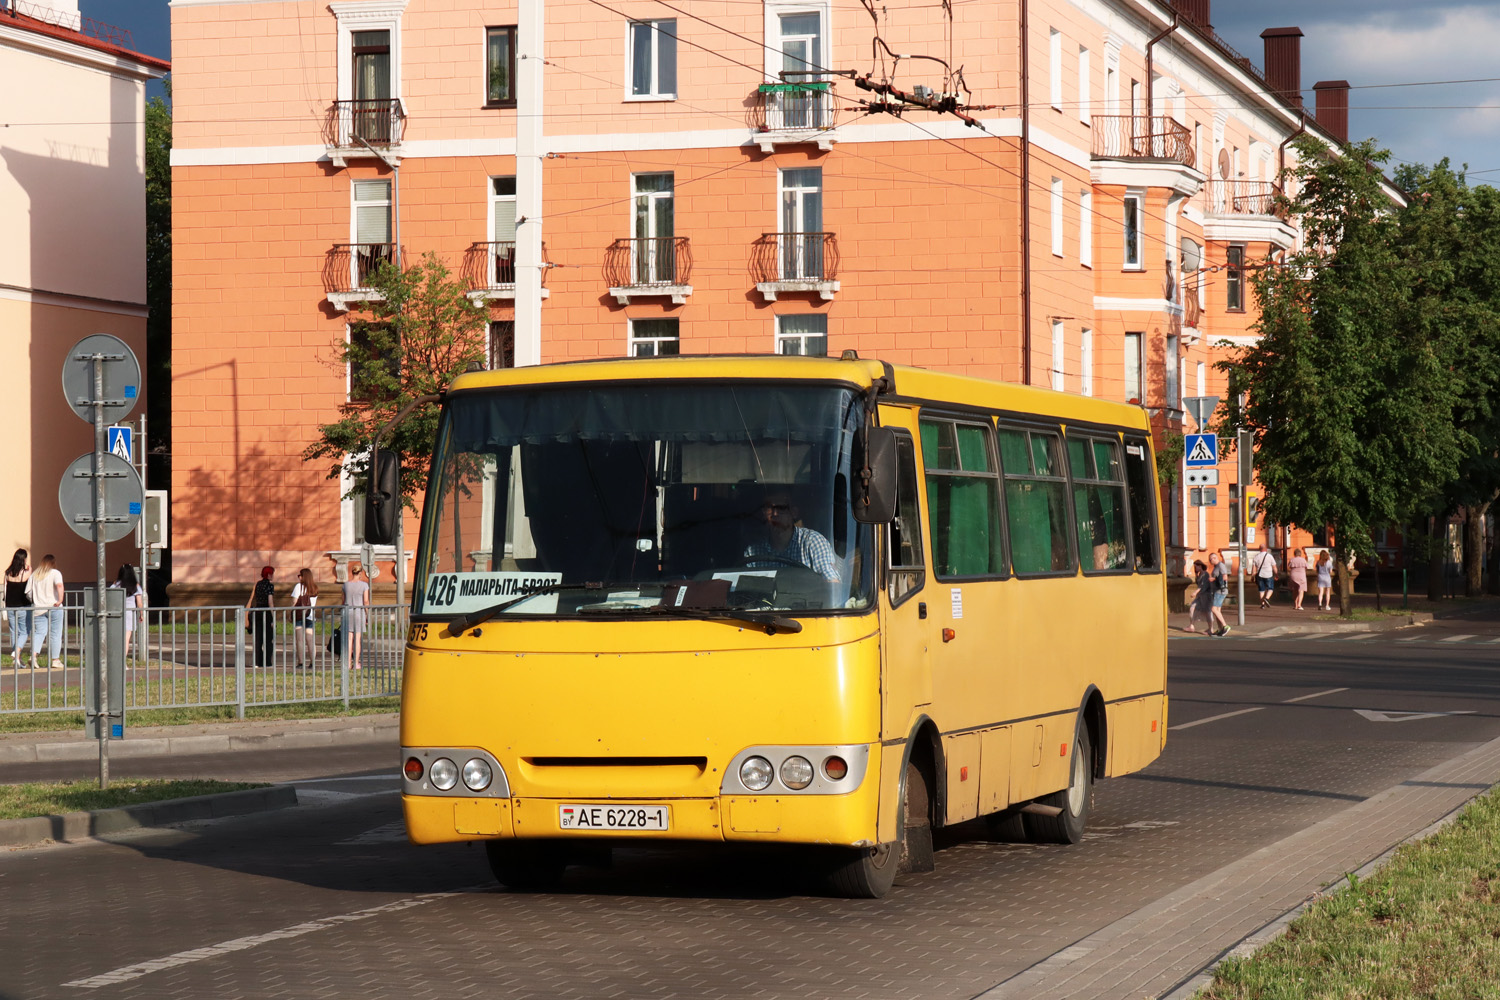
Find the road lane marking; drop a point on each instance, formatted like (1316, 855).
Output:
(1374, 716)
(129, 972)
(1357, 636)
(1307, 697)
(1458, 638)
(1216, 718)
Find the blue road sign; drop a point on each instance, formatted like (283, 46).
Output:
(1202, 449)
(121, 440)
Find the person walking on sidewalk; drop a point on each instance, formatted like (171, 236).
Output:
(356, 599)
(45, 588)
(1202, 597)
(135, 598)
(262, 624)
(1296, 572)
(1325, 581)
(18, 603)
(1219, 578)
(304, 599)
(1263, 568)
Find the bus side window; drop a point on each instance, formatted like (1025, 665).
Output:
(1036, 502)
(1142, 485)
(905, 572)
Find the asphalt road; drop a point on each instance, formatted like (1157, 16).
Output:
(1267, 736)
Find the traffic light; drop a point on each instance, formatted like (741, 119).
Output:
(1252, 505)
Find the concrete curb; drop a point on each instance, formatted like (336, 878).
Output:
(82, 825)
(1381, 625)
(379, 730)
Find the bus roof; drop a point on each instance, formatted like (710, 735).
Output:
(920, 385)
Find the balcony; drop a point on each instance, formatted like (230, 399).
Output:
(1144, 151)
(365, 128)
(490, 270)
(788, 113)
(783, 263)
(1244, 211)
(347, 270)
(649, 266)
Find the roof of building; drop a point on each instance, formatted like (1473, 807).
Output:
(26, 22)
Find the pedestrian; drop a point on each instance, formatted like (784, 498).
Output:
(1325, 581)
(262, 624)
(1296, 571)
(18, 603)
(1263, 568)
(304, 599)
(1219, 575)
(45, 588)
(1202, 597)
(356, 600)
(135, 598)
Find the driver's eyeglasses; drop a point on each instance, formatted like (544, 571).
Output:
(775, 508)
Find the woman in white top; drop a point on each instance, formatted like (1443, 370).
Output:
(134, 600)
(46, 591)
(304, 599)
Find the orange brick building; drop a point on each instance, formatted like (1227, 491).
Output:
(1085, 232)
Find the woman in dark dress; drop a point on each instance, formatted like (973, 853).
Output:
(262, 622)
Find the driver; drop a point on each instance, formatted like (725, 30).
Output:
(787, 542)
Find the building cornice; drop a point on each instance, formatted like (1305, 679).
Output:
(25, 36)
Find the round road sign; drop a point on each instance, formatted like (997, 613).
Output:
(122, 496)
(122, 377)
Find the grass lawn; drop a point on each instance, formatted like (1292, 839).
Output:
(52, 798)
(1425, 925)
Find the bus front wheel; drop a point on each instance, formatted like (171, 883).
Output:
(526, 865)
(1075, 801)
(869, 873)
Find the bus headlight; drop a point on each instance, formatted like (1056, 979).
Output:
(443, 774)
(477, 775)
(796, 772)
(755, 773)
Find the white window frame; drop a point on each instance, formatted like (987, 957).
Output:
(1057, 217)
(354, 205)
(1085, 104)
(1086, 227)
(631, 340)
(496, 237)
(781, 337)
(1172, 369)
(1086, 361)
(1138, 339)
(1059, 347)
(1054, 68)
(367, 15)
(773, 11)
(656, 34)
(1139, 263)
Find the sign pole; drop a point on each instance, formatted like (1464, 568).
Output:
(141, 528)
(100, 583)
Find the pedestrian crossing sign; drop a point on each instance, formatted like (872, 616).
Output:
(120, 441)
(1202, 449)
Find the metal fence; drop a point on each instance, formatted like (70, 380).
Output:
(201, 657)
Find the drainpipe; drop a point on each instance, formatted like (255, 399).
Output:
(1281, 150)
(1025, 200)
(1150, 76)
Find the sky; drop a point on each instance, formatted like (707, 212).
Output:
(1370, 43)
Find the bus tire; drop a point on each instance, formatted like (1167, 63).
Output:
(916, 839)
(1005, 827)
(869, 872)
(526, 865)
(1076, 801)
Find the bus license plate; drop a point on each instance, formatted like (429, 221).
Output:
(613, 817)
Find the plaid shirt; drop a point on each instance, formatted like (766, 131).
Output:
(806, 547)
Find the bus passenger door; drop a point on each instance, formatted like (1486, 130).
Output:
(906, 677)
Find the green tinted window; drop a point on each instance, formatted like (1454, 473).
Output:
(1099, 504)
(1078, 458)
(1142, 479)
(963, 499)
(1013, 453)
(1036, 500)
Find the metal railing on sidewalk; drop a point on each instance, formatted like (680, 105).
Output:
(180, 658)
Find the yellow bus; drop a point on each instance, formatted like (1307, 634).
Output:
(803, 601)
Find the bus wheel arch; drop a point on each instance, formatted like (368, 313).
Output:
(922, 783)
(1094, 719)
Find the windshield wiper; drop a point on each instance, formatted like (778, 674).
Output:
(463, 623)
(772, 624)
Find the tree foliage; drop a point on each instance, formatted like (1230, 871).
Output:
(1354, 386)
(413, 339)
(159, 268)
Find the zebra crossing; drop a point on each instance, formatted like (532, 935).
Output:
(1401, 636)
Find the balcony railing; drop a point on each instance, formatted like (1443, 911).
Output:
(377, 122)
(786, 107)
(1142, 137)
(491, 267)
(348, 267)
(791, 257)
(648, 262)
(1242, 197)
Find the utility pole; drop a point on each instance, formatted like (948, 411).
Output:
(529, 154)
(1243, 440)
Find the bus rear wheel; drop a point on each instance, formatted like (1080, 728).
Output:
(1076, 801)
(526, 865)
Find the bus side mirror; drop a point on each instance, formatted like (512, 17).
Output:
(875, 499)
(382, 498)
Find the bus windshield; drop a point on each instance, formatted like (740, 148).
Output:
(625, 499)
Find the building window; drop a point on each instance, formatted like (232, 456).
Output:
(371, 53)
(1057, 216)
(1054, 67)
(370, 230)
(801, 50)
(1084, 112)
(801, 239)
(1132, 221)
(374, 363)
(500, 351)
(502, 231)
(1134, 391)
(805, 334)
(1234, 279)
(654, 257)
(1086, 362)
(1057, 355)
(1086, 227)
(653, 338)
(653, 60)
(500, 67)
(1170, 367)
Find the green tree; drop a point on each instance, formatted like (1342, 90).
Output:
(413, 338)
(159, 272)
(1351, 395)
